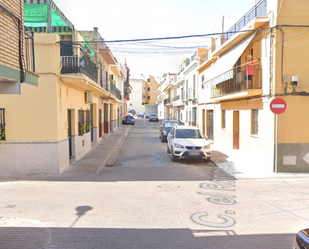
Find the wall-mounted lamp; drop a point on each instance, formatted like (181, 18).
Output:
(294, 81)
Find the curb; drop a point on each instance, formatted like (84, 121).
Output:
(110, 159)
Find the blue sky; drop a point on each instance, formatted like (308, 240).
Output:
(135, 19)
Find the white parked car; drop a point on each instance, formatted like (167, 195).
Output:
(188, 142)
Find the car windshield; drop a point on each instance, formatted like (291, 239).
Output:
(188, 133)
(153, 115)
(169, 124)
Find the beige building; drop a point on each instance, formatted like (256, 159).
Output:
(75, 103)
(259, 59)
(149, 96)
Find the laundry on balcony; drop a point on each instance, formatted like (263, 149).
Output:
(223, 67)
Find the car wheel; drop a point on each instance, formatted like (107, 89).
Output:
(168, 149)
(173, 158)
(207, 160)
(163, 139)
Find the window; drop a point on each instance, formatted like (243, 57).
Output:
(2, 124)
(254, 121)
(194, 86)
(223, 119)
(187, 89)
(148, 97)
(188, 133)
(81, 122)
(88, 121)
(148, 89)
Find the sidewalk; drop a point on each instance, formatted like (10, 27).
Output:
(101, 155)
(242, 166)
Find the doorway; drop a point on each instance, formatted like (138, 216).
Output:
(203, 122)
(100, 122)
(236, 130)
(70, 139)
(210, 124)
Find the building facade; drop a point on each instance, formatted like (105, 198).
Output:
(76, 102)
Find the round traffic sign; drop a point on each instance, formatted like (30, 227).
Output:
(278, 105)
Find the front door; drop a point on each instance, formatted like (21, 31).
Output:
(100, 123)
(236, 130)
(203, 122)
(210, 125)
(70, 134)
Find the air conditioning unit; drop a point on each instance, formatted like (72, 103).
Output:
(89, 97)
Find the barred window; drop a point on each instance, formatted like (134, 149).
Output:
(254, 121)
(81, 122)
(2, 124)
(88, 121)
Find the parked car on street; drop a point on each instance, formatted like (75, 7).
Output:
(147, 115)
(188, 142)
(141, 115)
(166, 127)
(129, 119)
(153, 117)
(302, 239)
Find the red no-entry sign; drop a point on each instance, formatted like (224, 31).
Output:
(278, 105)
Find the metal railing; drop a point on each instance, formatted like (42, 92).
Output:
(75, 61)
(241, 81)
(29, 50)
(167, 101)
(114, 90)
(176, 98)
(259, 10)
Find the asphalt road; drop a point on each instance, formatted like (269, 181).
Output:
(146, 201)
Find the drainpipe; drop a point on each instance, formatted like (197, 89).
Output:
(270, 62)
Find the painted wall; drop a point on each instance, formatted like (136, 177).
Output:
(135, 101)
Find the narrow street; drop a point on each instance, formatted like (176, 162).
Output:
(146, 201)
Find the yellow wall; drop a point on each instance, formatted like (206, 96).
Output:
(32, 115)
(291, 54)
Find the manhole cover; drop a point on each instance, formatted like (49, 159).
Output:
(168, 187)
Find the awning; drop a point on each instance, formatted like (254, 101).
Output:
(36, 14)
(223, 67)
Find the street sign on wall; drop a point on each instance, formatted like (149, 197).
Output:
(278, 105)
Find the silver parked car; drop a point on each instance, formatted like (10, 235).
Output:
(153, 117)
(188, 142)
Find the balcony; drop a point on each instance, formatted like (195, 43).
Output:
(176, 98)
(259, 10)
(239, 83)
(79, 63)
(106, 53)
(114, 90)
(167, 101)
